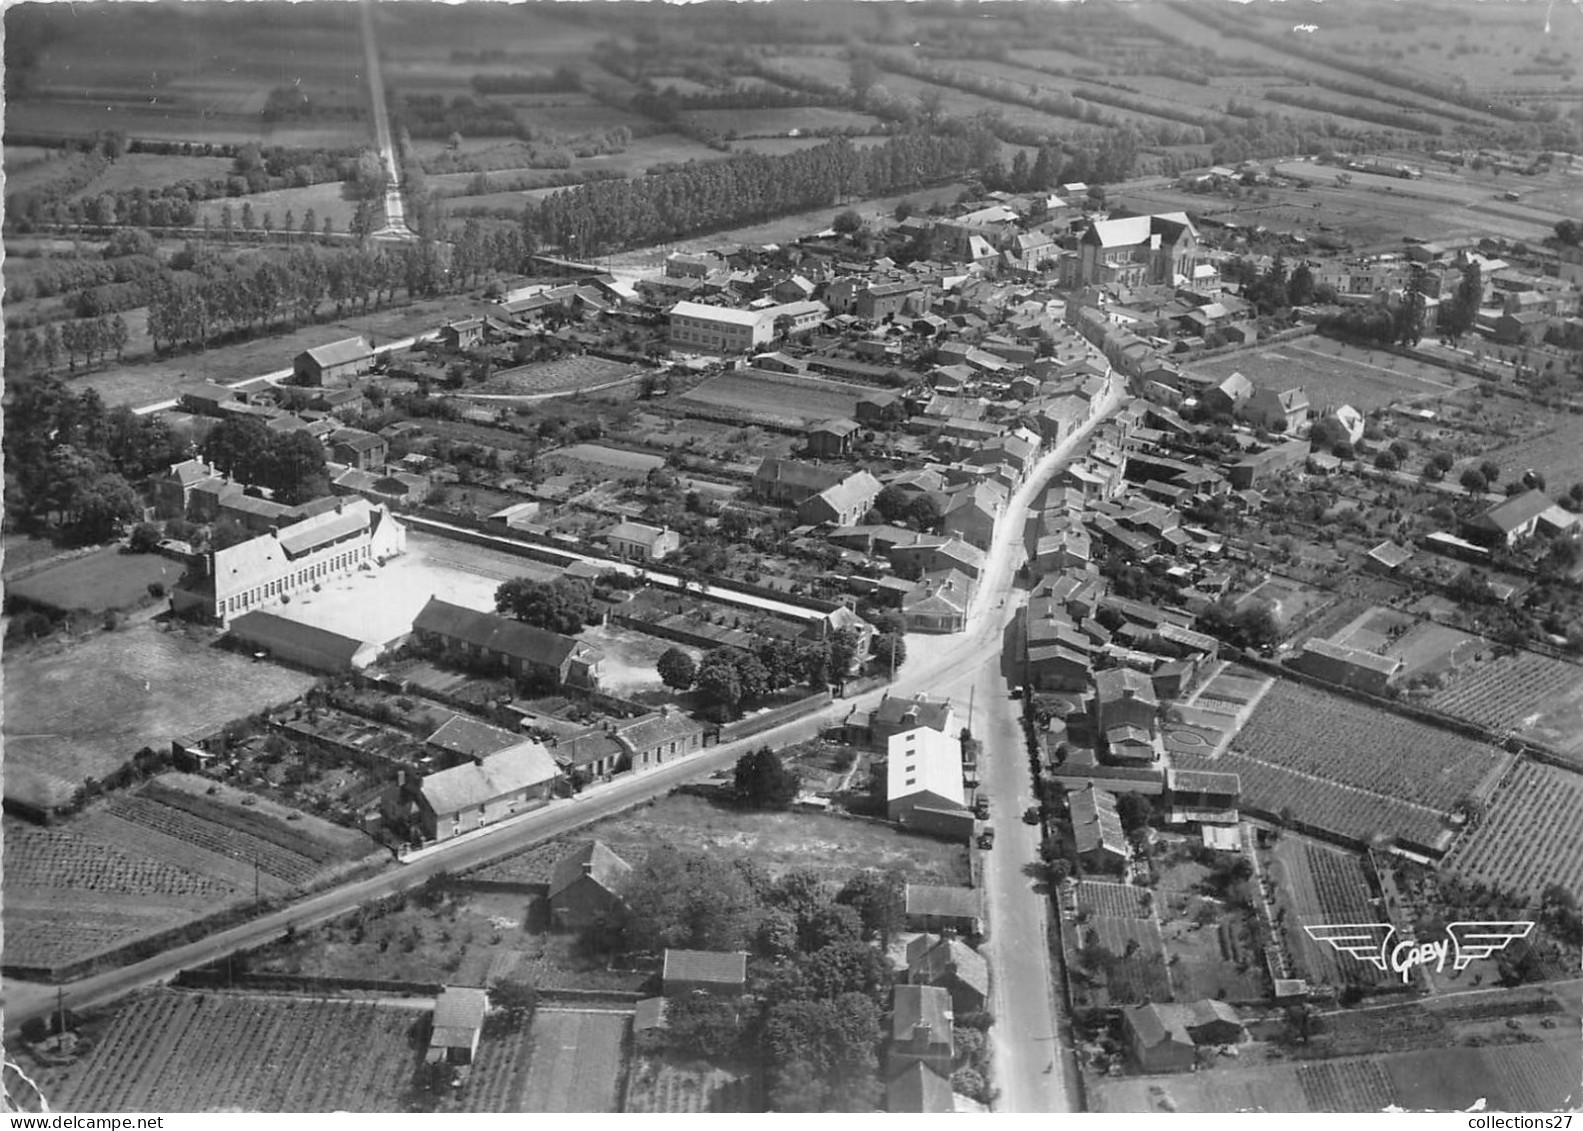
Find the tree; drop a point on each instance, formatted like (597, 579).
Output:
(1410, 318)
(848, 222)
(1459, 315)
(1300, 287)
(763, 782)
(717, 678)
(1474, 482)
(878, 898)
(824, 1054)
(100, 508)
(515, 1000)
(1134, 811)
(145, 538)
(676, 669)
(564, 605)
(687, 899)
(1386, 461)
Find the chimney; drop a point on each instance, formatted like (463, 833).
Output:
(921, 1032)
(588, 867)
(401, 779)
(1128, 693)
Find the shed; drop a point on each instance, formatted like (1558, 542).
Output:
(458, 1022)
(704, 971)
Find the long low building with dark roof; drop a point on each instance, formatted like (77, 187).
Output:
(524, 651)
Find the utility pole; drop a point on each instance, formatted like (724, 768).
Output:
(971, 693)
(60, 1016)
(255, 881)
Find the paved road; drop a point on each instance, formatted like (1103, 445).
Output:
(395, 209)
(965, 666)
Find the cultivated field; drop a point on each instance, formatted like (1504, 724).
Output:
(577, 1061)
(603, 456)
(82, 710)
(1346, 1085)
(779, 399)
(180, 1051)
(1334, 373)
(1303, 745)
(105, 579)
(1134, 970)
(779, 842)
(1121, 901)
(1530, 836)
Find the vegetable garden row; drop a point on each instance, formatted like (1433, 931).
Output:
(1530, 836)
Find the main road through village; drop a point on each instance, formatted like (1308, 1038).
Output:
(1030, 1050)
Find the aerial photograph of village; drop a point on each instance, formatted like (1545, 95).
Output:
(793, 557)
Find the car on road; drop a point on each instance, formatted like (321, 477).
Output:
(981, 807)
(986, 839)
(1031, 815)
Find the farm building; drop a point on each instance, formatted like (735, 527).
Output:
(1348, 667)
(458, 1023)
(265, 570)
(300, 645)
(587, 887)
(954, 966)
(920, 1027)
(639, 542)
(1165, 1037)
(337, 362)
(476, 793)
(704, 971)
(937, 907)
(525, 652)
(923, 783)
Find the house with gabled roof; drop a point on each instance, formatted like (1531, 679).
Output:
(919, 1088)
(640, 542)
(920, 1029)
(478, 792)
(831, 438)
(588, 886)
(173, 487)
(1229, 395)
(948, 962)
(938, 603)
(897, 713)
(842, 504)
(1096, 827)
(1164, 1036)
(1523, 516)
(462, 736)
(1276, 412)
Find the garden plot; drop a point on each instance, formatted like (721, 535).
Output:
(577, 1061)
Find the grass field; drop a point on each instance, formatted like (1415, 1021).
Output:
(1334, 374)
(106, 579)
(780, 122)
(1530, 835)
(326, 201)
(1525, 1077)
(172, 1050)
(83, 709)
(1262, 1088)
(576, 1063)
(1557, 454)
(778, 397)
(779, 842)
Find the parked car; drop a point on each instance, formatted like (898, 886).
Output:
(986, 839)
(981, 807)
(1031, 815)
